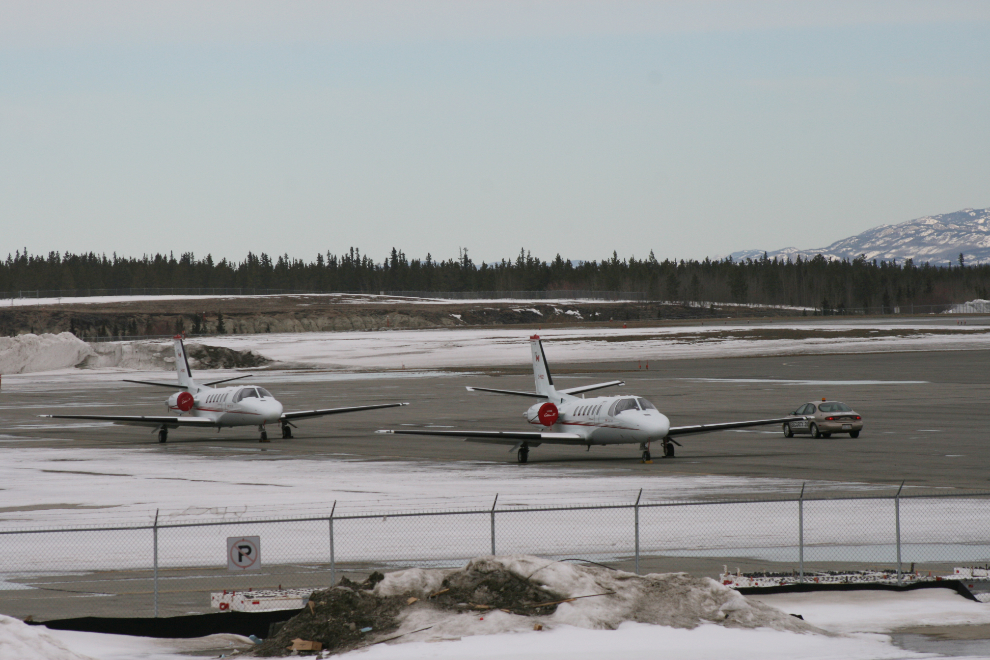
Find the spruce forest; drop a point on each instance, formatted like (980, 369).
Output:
(833, 286)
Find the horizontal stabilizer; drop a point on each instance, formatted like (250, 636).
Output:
(498, 437)
(227, 380)
(300, 414)
(711, 428)
(143, 420)
(533, 395)
(148, 382)
(596, 386)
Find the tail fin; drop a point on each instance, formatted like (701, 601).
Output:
(541, 370)
(182, 365)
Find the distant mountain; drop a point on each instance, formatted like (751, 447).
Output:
(936, 239)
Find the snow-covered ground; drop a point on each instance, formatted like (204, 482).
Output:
(858, 623)
(110, 487)
(467, 348)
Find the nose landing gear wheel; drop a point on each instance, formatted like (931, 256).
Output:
(264, 436)
(163, 436)
(668, 450)
(646, 457)
(286, 431)
(522, 456)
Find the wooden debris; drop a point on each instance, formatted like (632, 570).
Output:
(538, 626)
(412, 599)
(442, 591)
(305, 645)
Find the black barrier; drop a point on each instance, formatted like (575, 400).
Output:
(176, 627)
(806, 587)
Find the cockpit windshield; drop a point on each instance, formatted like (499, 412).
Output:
(622, 405)
(646, 405)
(265, 393)
(246, 393)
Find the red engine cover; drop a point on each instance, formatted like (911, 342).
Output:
(547, 414)
(184, 401)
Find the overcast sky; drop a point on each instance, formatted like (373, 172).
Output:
(690, 128)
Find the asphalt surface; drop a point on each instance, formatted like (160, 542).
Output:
(925, 414)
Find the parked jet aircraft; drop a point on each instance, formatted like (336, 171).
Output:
(205, 406)
(569, 420)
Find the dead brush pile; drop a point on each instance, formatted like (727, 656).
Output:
(351, 615)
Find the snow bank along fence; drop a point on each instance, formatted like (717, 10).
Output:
(170, 567)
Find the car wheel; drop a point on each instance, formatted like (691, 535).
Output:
(854, 434)
(826, 435)
(815, 433)
(788, 433)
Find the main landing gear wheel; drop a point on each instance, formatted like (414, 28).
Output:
(815, 433)
(163, 435)
(788, 433)
(522, 456)
(286, 431)
(264, 436)
(668, 450)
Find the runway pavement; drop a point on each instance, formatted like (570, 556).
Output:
(925, 412)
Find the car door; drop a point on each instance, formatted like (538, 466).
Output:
(801, 426)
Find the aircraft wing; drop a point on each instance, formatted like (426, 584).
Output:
(143, 420)
(711, 428)
(532, 438)
(300, 414)
(533, 395)
(589, 388)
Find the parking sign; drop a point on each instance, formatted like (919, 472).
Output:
(243, 553)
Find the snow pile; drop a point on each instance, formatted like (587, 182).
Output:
(603, 599)
(19, 641)
(30, 353)
(978, 306)
(141, 356)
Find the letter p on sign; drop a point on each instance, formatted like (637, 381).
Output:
(243, 553)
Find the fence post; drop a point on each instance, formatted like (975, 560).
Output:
(636, 508)
(333, 559)
(154, 531)
(493, 523)
(801, 533)
(897, 527)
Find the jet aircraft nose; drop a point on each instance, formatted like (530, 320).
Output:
(269, 410)
(274, 410)
(655, 424)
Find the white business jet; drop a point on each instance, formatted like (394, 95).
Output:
(569, 420)
(205, 406)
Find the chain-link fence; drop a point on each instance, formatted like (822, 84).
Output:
(167, 569)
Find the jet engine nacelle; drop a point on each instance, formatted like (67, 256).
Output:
(183, 401)
(544, 413)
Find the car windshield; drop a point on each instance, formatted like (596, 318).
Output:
(834, 407)
(263, 392)
(646, 405)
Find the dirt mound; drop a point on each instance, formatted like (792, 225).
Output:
(342, 618)
(221, 357)
(493, 595)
